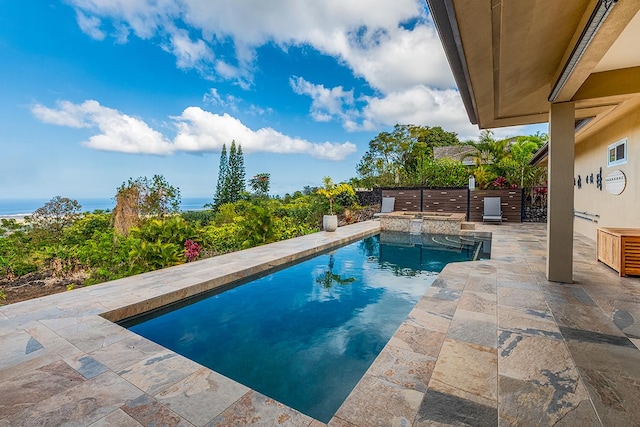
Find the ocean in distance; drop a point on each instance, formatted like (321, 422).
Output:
(18, 208)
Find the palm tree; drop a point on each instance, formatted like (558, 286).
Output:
(489, 153)
(328, 277)
(521, 153)
(488, 150)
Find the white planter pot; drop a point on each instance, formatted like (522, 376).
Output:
(330, 222)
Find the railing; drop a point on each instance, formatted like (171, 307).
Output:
(586, 215)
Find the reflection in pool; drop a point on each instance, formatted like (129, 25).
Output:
(305, 335)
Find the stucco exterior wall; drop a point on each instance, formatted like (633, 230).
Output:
(615, 210)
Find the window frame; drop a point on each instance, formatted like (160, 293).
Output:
(614, 146)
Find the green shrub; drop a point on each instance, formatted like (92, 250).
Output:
(161, 244)
(16, 254)
(148, 256)
(85, 227)
(199, 218)
(258, 227)
(220, 239)
(107, 256)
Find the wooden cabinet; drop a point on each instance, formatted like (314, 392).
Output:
(619, 248)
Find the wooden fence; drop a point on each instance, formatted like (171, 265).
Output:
(459, 200)
(511, 201)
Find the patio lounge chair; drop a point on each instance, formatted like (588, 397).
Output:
(492, 210)
(388, 205)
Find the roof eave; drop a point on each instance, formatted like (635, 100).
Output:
(444, 18)
(540, 155)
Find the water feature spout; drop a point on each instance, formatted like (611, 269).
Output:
(415, 226)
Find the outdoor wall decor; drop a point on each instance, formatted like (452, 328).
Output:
(579, 182)
(616, 182)
(599, 179)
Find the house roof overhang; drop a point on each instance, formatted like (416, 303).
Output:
(508, 57)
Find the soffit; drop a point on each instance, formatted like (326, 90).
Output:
(515, 50)
(625, 52)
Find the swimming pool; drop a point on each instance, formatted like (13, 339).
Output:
(305, 335)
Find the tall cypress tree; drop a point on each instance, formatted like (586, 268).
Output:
(222, 187)
(236, 173)
(241, 176)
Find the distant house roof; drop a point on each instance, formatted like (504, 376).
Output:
(462, 153)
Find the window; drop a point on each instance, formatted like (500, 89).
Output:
(617, 153)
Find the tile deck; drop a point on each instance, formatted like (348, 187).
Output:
(490, 343)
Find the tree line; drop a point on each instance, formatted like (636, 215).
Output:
(405, 157)
(146, 230)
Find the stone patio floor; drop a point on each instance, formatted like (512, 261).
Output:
(490, 343)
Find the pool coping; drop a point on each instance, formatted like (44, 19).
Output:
(256, 264)
(484, 335)
(77, 328)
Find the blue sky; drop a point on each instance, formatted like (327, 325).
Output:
(93, 92)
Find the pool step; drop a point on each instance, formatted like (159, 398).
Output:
(453, 242)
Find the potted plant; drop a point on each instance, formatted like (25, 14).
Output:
(331, 190)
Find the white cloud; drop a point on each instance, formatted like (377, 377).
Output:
(420, 105)
(326, 103)
(365, 35)
(213, 97)
(197, 131)
(118, 132)
(232, 103)
(189, 53)
(392, 45)
(400, 59)
(67, 114)
(143, 17)
(90, 26)
(200, 130)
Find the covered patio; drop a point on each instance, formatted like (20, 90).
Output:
(574, 64)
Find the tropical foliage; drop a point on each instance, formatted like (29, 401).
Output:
(260, 184)
(405, 157)
(62, 241)
(505, 163)
(51, 219)
(146, 231)
(142, 198)
(332, 191)
(401, 156)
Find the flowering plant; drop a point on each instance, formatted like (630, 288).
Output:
(500, 182)
(540, 190)
(539, 195)
(191, 250)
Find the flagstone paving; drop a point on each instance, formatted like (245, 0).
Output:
(490, 343)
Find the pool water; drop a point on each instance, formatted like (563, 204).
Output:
(305, 335)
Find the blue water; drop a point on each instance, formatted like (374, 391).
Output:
(296, 335)
(20, 207)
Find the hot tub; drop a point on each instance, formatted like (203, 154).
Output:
(422, 222)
